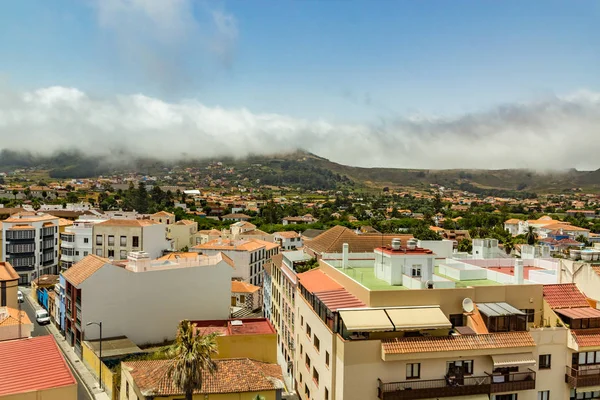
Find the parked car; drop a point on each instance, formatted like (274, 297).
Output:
(42, 317)
(20, 298)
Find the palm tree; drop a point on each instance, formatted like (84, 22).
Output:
(530, 235)
(192, 357)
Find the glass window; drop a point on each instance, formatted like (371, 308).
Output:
(135, 241)
(582, 359)
(413, 371)
(86, 240)
(545, 361)
(111, 240)
(123, 241)
(308, 330)
(315, 376)
(307, 361)
(591, 355)
(99, 240)
(544, 395)
(317, 343)
(99, 252)
(327, 358)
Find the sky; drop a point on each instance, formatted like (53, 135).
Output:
(411, 84)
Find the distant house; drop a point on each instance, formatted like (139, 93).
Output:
(236, 217)
(305, 219)
(289, 240)
(586, 213)
(246, 295)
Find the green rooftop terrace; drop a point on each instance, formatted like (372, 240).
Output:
(366, 277)
(465, 283)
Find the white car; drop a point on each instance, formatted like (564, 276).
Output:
(42, 317)
(20, 298)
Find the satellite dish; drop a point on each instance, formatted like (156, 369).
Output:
(429, 284)
(468, 305)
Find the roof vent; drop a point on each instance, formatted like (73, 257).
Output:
(411, 244)
(396, 244)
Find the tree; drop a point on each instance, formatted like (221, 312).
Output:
(192, 357)
(465, 245)
(530, 236)
(582, 239)
(15, 192)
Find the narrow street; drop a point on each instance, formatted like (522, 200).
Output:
(39, 330)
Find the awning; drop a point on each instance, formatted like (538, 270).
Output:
(366, 320)
(418, 318)
(469, 397)
(512, 360)
(588, 389)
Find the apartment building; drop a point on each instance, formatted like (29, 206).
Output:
(181, 233)
(76, 242)
(144, 299)
(359, 336)
(116, 238)
(249, 256)
(31, 244)
(163, 217)
(288, 240)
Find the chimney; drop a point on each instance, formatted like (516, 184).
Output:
(345, 255)
(519, 274)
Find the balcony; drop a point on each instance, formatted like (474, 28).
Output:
(589, 376)
(469, 385)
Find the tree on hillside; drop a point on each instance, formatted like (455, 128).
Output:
(530, 236)
(192, 357)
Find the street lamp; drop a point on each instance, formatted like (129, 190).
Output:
(100, 359)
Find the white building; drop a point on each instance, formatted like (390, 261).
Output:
(144, 299)
(289, 240)
(116, 238)
(249, 256)
(31, 244)
(76, 242)
(409, 266)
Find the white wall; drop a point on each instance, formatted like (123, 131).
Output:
(441, 248)
(147, 306)
(154, 240)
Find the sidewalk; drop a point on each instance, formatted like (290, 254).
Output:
(84, 374)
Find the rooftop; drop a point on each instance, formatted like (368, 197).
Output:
(232, 327)
(564, 295)
(43, 368)
(332, 240)
(235, 375)
(24, 217)
(11, 316)
(114, 347)
(7, 272)
(243, 287)
(586, 337)
(128, 222)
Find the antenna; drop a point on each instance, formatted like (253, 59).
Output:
(468, 305)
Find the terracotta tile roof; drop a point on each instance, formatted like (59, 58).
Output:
(12, 317)
(239, 245)
(512, 221)
(185, 222)
(564, 295)
(565, 227)
(586, 337)
(579, 313)
(25, 217)
(236, 375)
(331, 241)
(287, 234)
(236, 216)
(316, 281)
(177, 255)
(127, 222)
(163, 214)
(83, 269)
(457, 343)
(243, 287)
(339, 298)
(19, 227)
(64, 222)
(43, 368)
(7, 272)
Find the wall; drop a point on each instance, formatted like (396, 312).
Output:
(10, 332)
(241, 260)
(441, 248)
(92, 363)
(147, 306)
(10, 288)
(153, 240)
(63, 393)
(257, 347)
(552, 341)
(585, 277)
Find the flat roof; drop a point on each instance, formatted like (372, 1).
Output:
(114, 347)
(231, 327)
(42, 368)
(498, 309)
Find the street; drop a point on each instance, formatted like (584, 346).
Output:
(39, 330)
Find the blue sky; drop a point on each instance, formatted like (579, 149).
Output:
(334, 59)
(420, 84)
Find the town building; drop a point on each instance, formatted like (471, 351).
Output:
(288, 240)
(42, 374)
(236, 217)
(237, 378)
(163, 217)
(116, 238)
(181, 233)
(245, 296)
(126, 296)
(249, 256)
(31, 244)
(76, 242)
(9, 285)
(14, 324)
(305, 219)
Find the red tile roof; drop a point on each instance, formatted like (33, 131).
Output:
(579, 313)
(332, 240)
(235, 375)
(339, 298)
(83, 269)
(457, 343)
(316, 281)
(42, 368)
(564, 295)
(249, 326)
(586, 337)
(7, 272)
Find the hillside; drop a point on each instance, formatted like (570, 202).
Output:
(309, 171)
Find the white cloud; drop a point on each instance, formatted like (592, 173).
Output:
(560, 132)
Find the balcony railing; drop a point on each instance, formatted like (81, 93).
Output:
(447, 387)
(583, 377)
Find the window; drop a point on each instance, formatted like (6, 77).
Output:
(413, 371)
(123, 241)
(315, 376)
(99, 252)
(127, 389)
(306, 391)
(301, 349)
(416, 270)
(544, 395)
(85, 253)
(99, 240)
(317, 343)
(308, 330)
(586, 395)
(545, 361)
(111, 253)
(76, 252)
(111, 240)
(455, 367)
(512, 396)
(135, 241)
(307, 361)
(530, 312)
(327, 359)
(457, 320)
(86, 240)
(123, 254)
